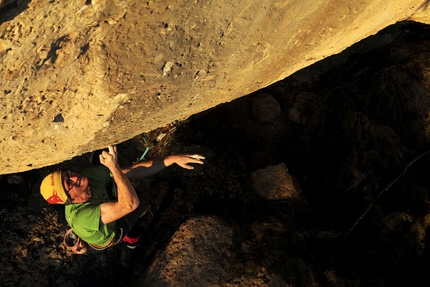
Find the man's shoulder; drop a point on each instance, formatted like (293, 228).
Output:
(81, 211)
(81, 208)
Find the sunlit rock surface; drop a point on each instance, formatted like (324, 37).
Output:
(79, 75)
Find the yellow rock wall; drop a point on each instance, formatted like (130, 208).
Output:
(79, 75)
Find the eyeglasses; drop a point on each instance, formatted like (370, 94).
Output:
(70, 184)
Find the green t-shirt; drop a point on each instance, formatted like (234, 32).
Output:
(84, 218)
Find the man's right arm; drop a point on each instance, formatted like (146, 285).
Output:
(127, 197)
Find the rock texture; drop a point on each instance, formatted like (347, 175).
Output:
(275, 183)
(367, 122)
(77, 76)
(265, 108)
(201, 253)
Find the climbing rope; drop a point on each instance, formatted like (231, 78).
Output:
(385, 189)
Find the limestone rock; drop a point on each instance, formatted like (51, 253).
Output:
(298, 112)
(200, 254)
(275, 183)
(77, 76)
(265, 108)
(261, 280)
(4, 3)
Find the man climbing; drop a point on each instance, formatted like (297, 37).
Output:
(93, 216)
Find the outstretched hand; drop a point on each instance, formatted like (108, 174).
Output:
(109, 158)
(184, 160)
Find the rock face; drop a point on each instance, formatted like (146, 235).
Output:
(77, 76)
(275, 183)
(201, 246)
(265, 108)
(201, 253)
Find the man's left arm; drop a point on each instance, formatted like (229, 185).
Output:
(150, 167)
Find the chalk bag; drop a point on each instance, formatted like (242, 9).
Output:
(74, 242)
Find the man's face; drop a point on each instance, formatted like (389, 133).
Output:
(76, 186)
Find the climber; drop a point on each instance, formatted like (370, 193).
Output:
(96, 219)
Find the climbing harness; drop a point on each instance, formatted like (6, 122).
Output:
(78, 246)
(114, 241)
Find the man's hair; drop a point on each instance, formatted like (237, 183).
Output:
(52, 188)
